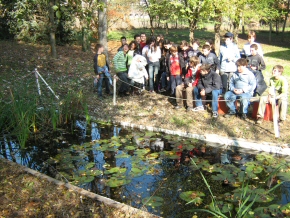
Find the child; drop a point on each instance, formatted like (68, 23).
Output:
(209, 83)
(256, 64)
(194, 51)
(209, 58)
(137, 71)
(102, 70)
(176, 66)
(277, 94)
(210, 42)
(185, 49)
(251, 40)
(189, 84)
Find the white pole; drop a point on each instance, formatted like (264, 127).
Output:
(114, 90)
(37, 82)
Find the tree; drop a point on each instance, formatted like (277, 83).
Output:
(103, 25)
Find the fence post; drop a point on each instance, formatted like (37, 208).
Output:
(114, 90)
(37, 82)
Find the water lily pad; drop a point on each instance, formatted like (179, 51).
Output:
(116, 182)
(90, 165)
(152, 156)
(192, 196)
(130, 148)
(115, 170)
(141, 152)
(153, 201)
(123, 155)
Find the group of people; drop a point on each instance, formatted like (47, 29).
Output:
(199, 72)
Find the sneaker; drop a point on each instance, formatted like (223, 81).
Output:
(162, 90)
(215, 114)
(152, 91)
(244, 116)
(189, 108)
(259, 120)
(281, 122)
(229, 114)
(199, 108)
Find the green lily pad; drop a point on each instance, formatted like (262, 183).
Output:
(152, 156)
(115, 170)
(130, 148)
(90, 165)
(115, 182)
(192, 197)
(141, 152)
(123, 155)
(153, 201)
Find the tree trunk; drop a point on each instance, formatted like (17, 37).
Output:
(103, 27)
(192, 28)
(277, 27)
(236, 25)
(285, 20)
(270, 32)
(166, 28)
(217, 38)
(52, 29)
(85, 42)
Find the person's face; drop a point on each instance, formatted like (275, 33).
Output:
(126, 48)
(138, 39)
(123, 41)
(251, 39)
(206, 52)
(228, 40)
(143, 37)
(241, 68)
(191, 64)
(276, 72)
(253, 51)
(184, 48)
(167, 46)
(160, 45)
(133, 46)
(174, 53)
(195, 46)
(158, 38)
(101, 49)
(203, 72)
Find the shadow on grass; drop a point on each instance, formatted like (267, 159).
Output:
(284, 55)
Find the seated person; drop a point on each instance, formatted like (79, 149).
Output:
(256, 64)
(188, 84)
(137, 72)
(277, 94)
(241, 85)
(209, 83)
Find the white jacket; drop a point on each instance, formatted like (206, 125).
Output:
(137, 70)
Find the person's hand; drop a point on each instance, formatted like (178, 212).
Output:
(168, 78)
(98, 76)
(202, 92)
(238, 91)
(217, 71)
(189, 84)
(253, 68)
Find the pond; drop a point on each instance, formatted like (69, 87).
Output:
(156, 172)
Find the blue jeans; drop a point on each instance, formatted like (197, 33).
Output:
(105, 70)
(125, 87)
(153, 71)
(163, 80)
(100, 84)
(244, 98)
(214, 101)
(175, 81)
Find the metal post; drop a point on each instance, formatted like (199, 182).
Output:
(37, 82)
(114, 90)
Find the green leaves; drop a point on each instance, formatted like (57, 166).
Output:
(192, 197)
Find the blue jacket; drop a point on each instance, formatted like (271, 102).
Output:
(229, 51)
(245, 81)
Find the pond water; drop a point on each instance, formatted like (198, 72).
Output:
(152, 171)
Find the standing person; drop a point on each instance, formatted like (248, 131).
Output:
(123, 42)
(102, 70)
(138, 40)
(194, 51)
(133, 50)
(153, 54)
(137, 72)
(209, 83)
(175, 67)
(242, 85)
(229, 54)
(256, 64)
(185, 48)
(165, 54)
(210, 58)
(120, 63)
(210, 42)
(251, 40)
(143, 40)
(277, 94)
(189, 84)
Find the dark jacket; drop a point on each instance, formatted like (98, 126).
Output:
(256, 61)
(181, 63)
(96, 64)
(209, 82)
(261, 84)
(210, 59)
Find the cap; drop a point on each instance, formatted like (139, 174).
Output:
(229, 35)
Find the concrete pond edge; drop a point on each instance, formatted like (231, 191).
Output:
(128, 210)
(220, 141)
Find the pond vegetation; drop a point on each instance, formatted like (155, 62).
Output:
(164, 174)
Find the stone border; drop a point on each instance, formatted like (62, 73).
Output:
(220, 141)
(128, 210)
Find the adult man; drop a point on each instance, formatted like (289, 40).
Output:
(123, 42)
(143, 40)
(241, 86)
(229, 54)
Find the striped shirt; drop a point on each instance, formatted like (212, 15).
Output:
(120, 61)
